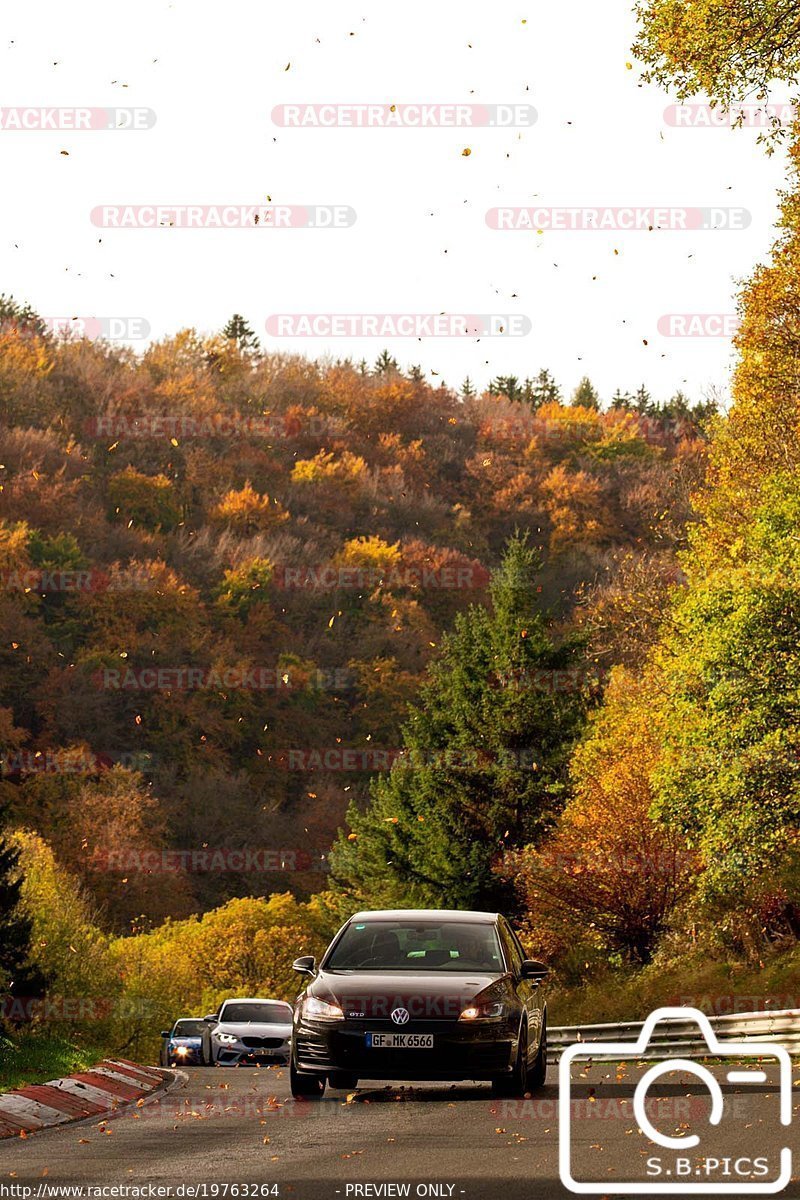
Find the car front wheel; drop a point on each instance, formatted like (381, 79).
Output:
(515, 1084)
(538, 1072)
(343, 1080)
(305, 1085)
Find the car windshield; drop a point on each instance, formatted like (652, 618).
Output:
(189, 1029)
(268, 1013)
(417, 946)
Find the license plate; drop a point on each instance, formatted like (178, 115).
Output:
(400, 1041)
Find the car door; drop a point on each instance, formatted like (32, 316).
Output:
(527, 989)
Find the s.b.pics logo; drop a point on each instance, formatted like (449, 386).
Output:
(727, 1142)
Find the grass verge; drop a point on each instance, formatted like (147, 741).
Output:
(37, 1057)
(716, 988)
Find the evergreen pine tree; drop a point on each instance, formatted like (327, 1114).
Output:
(643, 401)
(485, 759)
(505, 385)
(585, 395)
(621, 400)
(21, 316)
(545, 390)
(238, 330)
(385, 364)
(15, 928)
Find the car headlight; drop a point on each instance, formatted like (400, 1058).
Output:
(483, 1012)
(182, 1050)
(227, 1039)
(321, 1010)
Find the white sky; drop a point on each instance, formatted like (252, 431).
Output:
(420, 244)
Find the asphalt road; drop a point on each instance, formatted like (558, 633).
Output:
(456, 1142)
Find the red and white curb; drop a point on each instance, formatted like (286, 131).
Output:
(110, 1085)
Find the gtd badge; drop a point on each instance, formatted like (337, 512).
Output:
(400, 1016)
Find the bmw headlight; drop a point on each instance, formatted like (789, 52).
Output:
(227, 1039)
(483, 1012)
(321, 1010)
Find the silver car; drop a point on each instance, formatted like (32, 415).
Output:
(251, 1031)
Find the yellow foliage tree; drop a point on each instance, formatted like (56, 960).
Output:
(371, 554)
(346, 469)
(14, 555)
(25, 363)
(762, 433)
(574, 503)
(66, 944)
(249, 512)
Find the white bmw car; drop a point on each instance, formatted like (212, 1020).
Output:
(251, 1032)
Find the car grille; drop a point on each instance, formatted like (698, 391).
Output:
(311, 1051)
(478, 1055)
(262, 1043)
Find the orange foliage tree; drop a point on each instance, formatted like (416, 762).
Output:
(609, 876)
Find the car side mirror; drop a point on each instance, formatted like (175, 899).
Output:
(211, 1017)
(165, 1033)
(307, 965)
(533, 969)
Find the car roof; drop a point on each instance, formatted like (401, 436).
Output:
(426, 914)
(254, 1000)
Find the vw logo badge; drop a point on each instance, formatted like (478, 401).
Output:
(400, 1016)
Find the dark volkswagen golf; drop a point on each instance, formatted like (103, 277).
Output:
(421, 994)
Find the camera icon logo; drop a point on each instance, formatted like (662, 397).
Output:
(675, 1172)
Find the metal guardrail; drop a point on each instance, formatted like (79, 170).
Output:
(672, 1037)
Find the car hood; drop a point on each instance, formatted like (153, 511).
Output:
(431, 994)
(186, 1041)
(242, 1029)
